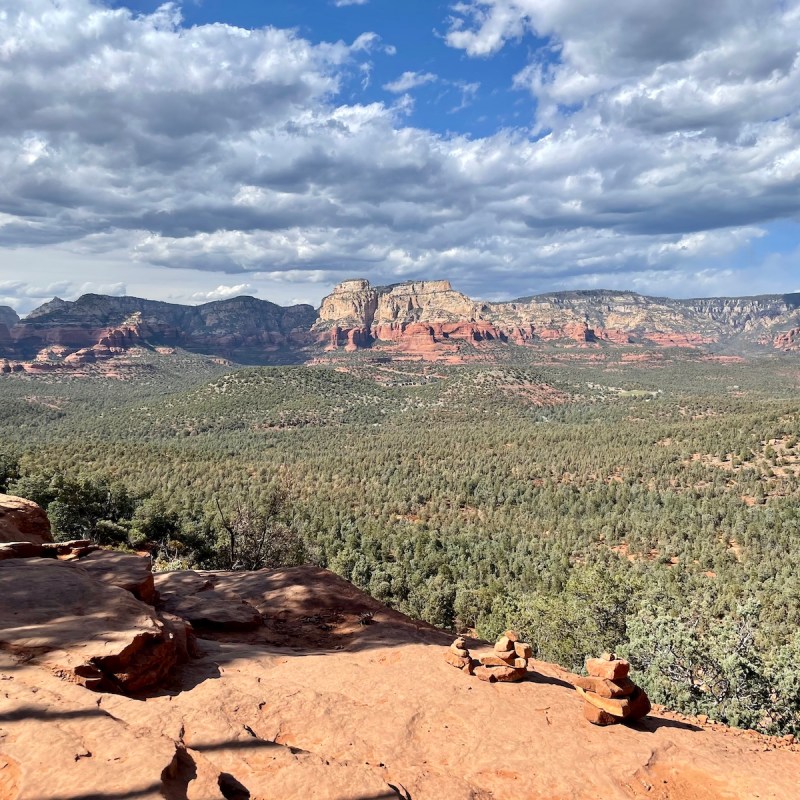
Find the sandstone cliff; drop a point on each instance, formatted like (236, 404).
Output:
(426, 319)
(429, 314)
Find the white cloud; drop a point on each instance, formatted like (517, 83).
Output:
(343, 3)
(222, 292)
(136, 144)
(409, 80)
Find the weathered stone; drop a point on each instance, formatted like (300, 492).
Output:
(20, 550)
(606, 688)
(460, 642)
(633, 707)
(83, 630)
(512, 636)
(597, 716)
(493, 661)
(212, 609)
(23, 521)
(507, 656)
(612, 670)
(458, 651)
(126, 570)
(639, 704)
(523, 650)
(521, 663)
(504, 674)
(503, 644)
(460, 662)
(509, 674)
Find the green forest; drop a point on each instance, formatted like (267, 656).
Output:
(649, 508)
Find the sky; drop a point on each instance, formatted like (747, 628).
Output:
(201, 150)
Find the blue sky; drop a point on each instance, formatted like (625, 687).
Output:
(196, 151)
(470, 96)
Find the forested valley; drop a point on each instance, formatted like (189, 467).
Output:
(650, 508)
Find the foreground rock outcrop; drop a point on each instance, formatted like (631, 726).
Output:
(23, 521)
(311, 703)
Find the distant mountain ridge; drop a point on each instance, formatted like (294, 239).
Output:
(419, 319)
(98, 327)
(420, 316)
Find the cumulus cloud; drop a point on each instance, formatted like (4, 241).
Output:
(409, 80)
(24, 296)
(222, 292)
(233, 151)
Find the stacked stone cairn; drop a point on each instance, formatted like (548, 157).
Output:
(458, 656)
(509, 661)
(610, 695)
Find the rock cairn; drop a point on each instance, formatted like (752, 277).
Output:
(509, 661)
(610, 695)
(458, 656)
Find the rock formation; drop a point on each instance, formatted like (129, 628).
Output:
(424, 319)
(22, 521)
(508, 662)
(95, 702)
(96, 327)
(458, 656)
(8, 316)
(428, 316)
(610, 695)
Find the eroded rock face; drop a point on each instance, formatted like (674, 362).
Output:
(126, 570)
(393, 314)
(80, 628)
(23, 521)
(196, 600)
(422, 318)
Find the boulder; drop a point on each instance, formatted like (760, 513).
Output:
(494, 661)
(597, 716)
(633, 707)
(20, 550)
(213, 609)
(506, 656)
(503, 674)
(23, 521)
(523, 650)
(126, 570)
(612, 669)
(606, 688)
(84, 630)
(460, 662)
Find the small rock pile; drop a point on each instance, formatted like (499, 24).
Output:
(458, 656)
(610, 695)
(509, 661)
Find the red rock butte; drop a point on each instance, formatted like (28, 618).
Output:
(416, 319)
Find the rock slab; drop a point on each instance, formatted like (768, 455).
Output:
(23, 521)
